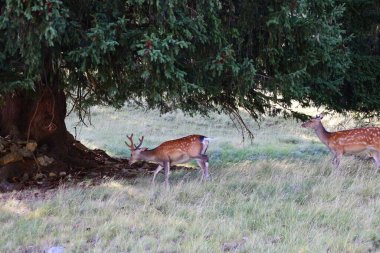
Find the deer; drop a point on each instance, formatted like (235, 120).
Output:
(347, 141)
(168, 153)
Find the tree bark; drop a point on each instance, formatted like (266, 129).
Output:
(40, 116)
(35, 116)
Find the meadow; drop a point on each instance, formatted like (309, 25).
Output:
(279, 193)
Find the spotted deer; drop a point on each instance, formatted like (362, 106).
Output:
(347, 141)
(192, 147)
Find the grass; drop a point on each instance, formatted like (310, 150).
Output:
(280, 193)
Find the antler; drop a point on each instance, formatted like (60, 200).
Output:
(141, 141)
(132, 146)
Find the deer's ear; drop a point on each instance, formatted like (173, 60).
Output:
(319, 116)
(144, 149)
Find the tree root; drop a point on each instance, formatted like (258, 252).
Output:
(47, 169)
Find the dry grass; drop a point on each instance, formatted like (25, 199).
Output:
(280, 194)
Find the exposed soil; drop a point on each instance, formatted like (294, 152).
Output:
(37, 151)
(28, 173)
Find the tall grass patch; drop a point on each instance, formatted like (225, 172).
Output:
(278, 194)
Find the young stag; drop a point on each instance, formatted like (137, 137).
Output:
(347, 141)
(172, 152)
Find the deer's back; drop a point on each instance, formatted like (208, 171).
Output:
(190, 146)
(360, 138)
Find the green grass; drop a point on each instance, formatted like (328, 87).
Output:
(281, 193)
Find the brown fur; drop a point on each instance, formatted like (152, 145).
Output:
(348, 141)
(173, 152)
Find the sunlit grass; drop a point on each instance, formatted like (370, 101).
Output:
(280, 193)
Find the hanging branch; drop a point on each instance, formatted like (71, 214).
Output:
(51, 126)
(240, 124)
(81, 94)
(33, 117)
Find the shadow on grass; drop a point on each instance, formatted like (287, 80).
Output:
(228, 153)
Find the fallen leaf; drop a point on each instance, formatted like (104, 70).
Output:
(25, 152)
(10, 158)
(62, 173)
(44, 160)
(31, 146)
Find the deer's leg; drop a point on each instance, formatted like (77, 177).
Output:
(204, 147)
(167, 168)
(202, 161)
(336, 159)
(202, 166)
(207, 175)
(376, 157)
(159, 168)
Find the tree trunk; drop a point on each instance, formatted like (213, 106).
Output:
(27, 116)
(40, 117)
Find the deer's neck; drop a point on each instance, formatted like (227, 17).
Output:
(149, 155)
(322, 134)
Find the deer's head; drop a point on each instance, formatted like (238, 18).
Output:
(135, 149)
(313, 122)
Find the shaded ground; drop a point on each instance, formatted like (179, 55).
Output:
(25, 168)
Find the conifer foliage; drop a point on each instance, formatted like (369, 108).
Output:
(193, 55)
